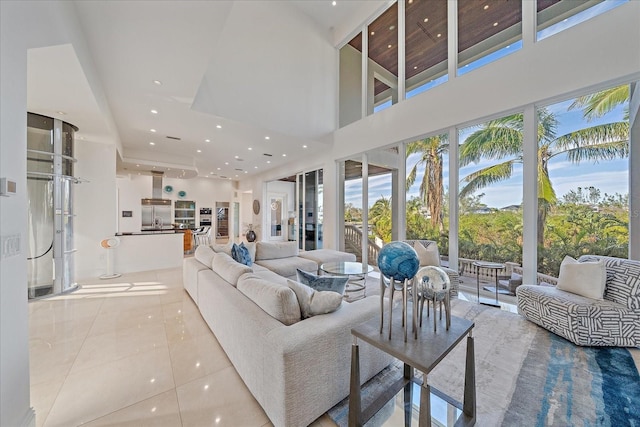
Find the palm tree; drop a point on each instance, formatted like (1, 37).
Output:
(502, 138)
(600, 103)
(432, 186)
(380, 218)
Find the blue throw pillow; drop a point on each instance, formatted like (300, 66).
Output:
(241, 254)
(323, 283)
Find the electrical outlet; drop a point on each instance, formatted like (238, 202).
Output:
(10, 245)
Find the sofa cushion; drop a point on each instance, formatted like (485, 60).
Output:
(226, 248)
(323, 283)
(586, 278)
(623, 280)
(321, 256)
(240, 254)
(251, 247)
(286, 267)
(228, 269)
(204, 254)
(276, 250)
(427, 256)
(277, 300)
(314, 302)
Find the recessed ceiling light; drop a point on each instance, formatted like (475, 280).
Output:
(373, 33)
(246, 171)
(219, 127)
(495, 24)
(199, 151)
(255, 167)
(62, 113)
(486, 6)
(425, 20)
(152, 143)
(207, 140)
(334, 2)
(218, 169)
(392, 27)
(236, 175)
(415, 67)
(157, 82)
(439, 35)
(226, 163)
(266, 137)
(154, 111)
(388, 46)
(284, 155)
(268, 161)
(304, 146)
(137, 166)
(152, 130)
(249, 148)
(236, 157)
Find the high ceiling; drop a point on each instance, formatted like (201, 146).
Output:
(214, 85)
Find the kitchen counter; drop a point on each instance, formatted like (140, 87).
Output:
(147, 232)
(148, 250)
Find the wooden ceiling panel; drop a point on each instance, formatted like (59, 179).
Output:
(480, 19)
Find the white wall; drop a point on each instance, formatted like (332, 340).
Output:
(204, 191)
(95, 206)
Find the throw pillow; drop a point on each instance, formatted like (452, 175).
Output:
(582, 278)
(226, 248)
(428, 255)
(323, 283)
(314, 302)
(240, 254)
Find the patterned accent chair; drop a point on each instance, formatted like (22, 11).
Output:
(454, 277)
(612, 321)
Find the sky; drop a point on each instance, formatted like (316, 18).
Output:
(609, 176)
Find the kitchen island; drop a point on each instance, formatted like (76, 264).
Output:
(148, 250)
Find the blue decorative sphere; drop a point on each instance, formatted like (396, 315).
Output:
(398, 260)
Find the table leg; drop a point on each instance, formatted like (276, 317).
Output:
(469, 403)
(408, 395)
(355, 409)
(425, 403)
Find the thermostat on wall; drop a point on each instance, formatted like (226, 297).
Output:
(7, 187)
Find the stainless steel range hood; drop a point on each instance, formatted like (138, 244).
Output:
(156, 191)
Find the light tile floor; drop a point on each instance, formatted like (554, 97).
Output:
(133, 351)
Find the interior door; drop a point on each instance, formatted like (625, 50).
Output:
(276, 220)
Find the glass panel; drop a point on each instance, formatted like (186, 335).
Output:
(67, 242)
(301, 219)
(351, 81)
(353, 206)
(382, 76)
(382, 175)
(558, 15)
(236, 220)
(67, 149)
(275, 216)
(222, 221)
(585, 166)
(320, 207)
(487, 30)
(310, 210)
(425, 45)
(427, 201)
(490, 201)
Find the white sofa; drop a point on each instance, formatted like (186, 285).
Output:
(296, 369)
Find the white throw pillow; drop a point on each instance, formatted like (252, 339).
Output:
(314, 302)
(582, 278)
(428, 255)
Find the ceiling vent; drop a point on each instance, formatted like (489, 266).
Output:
(222, 176)
(240, 160)
(239, 169)
(175, 138)
(267, 154)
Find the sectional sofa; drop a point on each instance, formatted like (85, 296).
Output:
(296, 368)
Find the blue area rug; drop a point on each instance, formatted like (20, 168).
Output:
(561, 384)
(527, 376)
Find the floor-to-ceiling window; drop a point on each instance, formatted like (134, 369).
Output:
(427, 207)
(584, 172)
(490, 192)
(554, 16)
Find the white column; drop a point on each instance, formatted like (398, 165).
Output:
(529, 23)
(634, 173)
(401, 51)
(454, 178)
(365, 209)
(530, 195)
(452, 40)
(365, 73)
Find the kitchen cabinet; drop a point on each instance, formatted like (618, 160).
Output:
(185, 213)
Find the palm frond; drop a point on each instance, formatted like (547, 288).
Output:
(411, 178)
(487, 176)
(602, 142)
(600, 103)
(546, 192)
(594, 153)
(491, 143)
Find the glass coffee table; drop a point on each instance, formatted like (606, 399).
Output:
(357, 273)
(488, 266)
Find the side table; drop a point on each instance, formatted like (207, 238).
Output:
(424, 354)
(487, 266)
